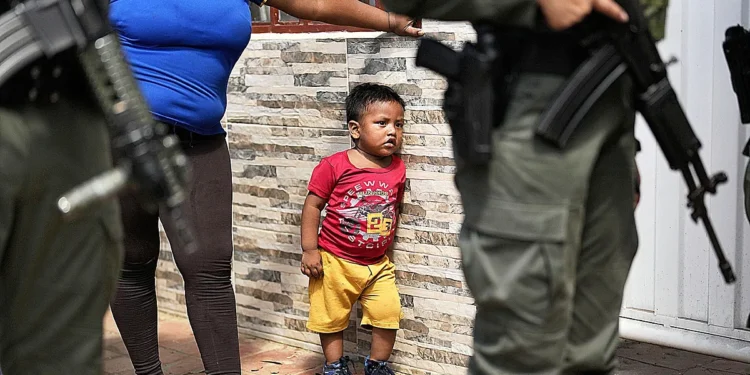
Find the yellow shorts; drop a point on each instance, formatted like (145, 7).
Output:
(342, 284)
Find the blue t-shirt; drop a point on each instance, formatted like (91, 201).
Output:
(182, 52)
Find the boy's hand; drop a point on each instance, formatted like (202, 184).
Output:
(312, 265)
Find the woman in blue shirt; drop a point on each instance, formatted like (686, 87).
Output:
(182, 53)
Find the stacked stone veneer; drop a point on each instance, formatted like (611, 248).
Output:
(286, 112)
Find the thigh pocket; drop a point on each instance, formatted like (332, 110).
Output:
(520, 272)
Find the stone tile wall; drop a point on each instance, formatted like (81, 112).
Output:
(286, 112)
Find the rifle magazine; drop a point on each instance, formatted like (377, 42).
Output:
(581, 91)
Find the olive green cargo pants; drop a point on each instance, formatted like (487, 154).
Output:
(56, 277)
(549, 237)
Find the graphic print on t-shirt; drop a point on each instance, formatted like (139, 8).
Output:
(368, 213)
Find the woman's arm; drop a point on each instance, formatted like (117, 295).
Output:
(347, 13)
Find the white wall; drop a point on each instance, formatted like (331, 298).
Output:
(675, 293)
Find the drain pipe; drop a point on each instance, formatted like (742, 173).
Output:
(718, 346)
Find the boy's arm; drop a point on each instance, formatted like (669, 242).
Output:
(397, 219)
(311, 221)
(311, 261)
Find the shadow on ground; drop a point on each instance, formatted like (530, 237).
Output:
(179, 356)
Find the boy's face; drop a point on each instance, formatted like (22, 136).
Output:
(380, 129)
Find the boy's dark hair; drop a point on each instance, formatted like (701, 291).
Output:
(365, 94)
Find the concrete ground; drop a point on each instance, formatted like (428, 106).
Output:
(179, 355)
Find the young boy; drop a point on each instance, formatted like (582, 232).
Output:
(362, 188)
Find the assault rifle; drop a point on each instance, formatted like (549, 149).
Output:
(629, 48)
(148, 157)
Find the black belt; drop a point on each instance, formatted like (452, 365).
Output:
(524, 51)
(35, 29)
(47, 79)
(548, 52)
(559, 56)
(38, 63)
(188, 136)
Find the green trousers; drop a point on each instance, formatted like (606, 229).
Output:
(549, 237)
(56, 276)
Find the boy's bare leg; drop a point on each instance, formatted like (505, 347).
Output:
(382, 343)
(333, 346)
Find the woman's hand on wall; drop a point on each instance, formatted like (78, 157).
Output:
(402, 25)
(348, 13)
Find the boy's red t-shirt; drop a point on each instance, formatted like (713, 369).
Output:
(362, 211)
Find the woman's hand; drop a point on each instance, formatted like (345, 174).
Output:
(402, 25)
(312, 263)
(348, 13)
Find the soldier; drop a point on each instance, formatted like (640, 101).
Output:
(56, 276)
(549, 234)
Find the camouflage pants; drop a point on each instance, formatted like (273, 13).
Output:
(56, 277)
(549, 237)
